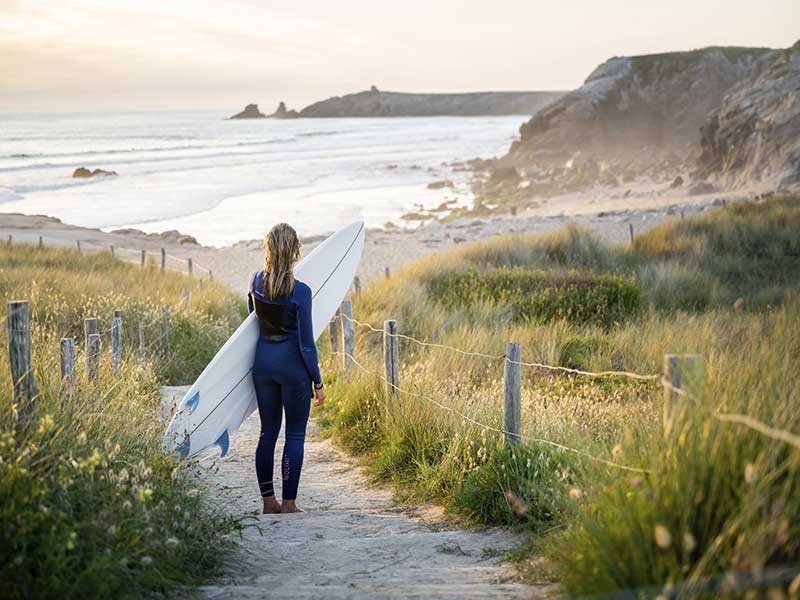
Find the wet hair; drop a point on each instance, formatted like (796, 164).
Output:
(283, 251)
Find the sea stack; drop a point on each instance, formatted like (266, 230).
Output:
(282, 113)
(250, 112)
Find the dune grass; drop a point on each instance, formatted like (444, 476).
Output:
(88, 504)
(714, 497)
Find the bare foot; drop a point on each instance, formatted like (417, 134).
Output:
(290, 506)
(271, 505)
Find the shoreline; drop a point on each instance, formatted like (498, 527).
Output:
(609, 217)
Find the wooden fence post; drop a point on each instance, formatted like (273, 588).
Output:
(189, 266)
(112, 250)
(163, 259)
(512, 386)
(78, 244)
(387, 273)
(141, 342)
(683, 373)
(116, 343)
(19, 355)
(144, 257)
(68, 364)
(348, 335)
(335, 330)
(41, 242)
(357, 285)
(210, 275)
(89, 327)
(630, 229)
(186, 297)
(391, 357)
(201, 283)
(93, 355)
(10, 239)
(165, 329)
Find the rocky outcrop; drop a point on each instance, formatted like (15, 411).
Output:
(250, 112)
(282, 113)
(634, 119)
(657, 102)
(83, 172)
(375, 103)
(754, 135)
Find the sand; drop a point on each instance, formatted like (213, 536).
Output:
(609, 215)
(353, 541)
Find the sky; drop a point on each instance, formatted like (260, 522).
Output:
(108, 55)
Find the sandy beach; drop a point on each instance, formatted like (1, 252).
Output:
(609, 215)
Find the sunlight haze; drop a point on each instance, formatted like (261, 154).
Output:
(89, 55)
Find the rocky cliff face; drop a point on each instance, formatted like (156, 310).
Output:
(754, 135)
(657, 102)
(375, 103)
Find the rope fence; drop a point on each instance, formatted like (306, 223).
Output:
(143, 255)
(681, 374)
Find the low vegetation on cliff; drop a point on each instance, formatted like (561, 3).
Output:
(611, 501)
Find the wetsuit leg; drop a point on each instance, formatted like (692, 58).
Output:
(268, 394)
(296, 397)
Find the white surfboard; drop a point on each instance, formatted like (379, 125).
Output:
(223, 396)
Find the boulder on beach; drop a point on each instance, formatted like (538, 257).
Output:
(250, 112)
(82, 172)
(438, 185)
(699, 188)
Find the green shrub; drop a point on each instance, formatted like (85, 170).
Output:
(524, 484)
(542, 296)
(577, 351)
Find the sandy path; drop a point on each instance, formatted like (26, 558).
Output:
(353, 541)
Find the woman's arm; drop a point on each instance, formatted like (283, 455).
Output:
(306, 333)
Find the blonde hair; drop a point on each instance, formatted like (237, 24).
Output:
(283, 251)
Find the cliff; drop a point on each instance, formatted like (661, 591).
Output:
(375, 103)
(754, 135)
(657, 102)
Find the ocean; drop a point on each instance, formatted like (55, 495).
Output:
(223, 181)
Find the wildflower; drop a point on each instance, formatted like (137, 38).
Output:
(663, 537)
(127, 505)
(636, 481)
(575, 494)
(172, 542)
(689, 543)
(46, 424)
(147, 561)
(111, 531)
(616, 451)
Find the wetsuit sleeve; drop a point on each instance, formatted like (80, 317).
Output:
(250, 307)
(306, 333)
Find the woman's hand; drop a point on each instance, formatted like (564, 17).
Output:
(319, 394)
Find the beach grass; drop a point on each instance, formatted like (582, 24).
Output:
(89, 505)
(612, 503)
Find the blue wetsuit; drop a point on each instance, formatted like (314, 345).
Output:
(283, 370)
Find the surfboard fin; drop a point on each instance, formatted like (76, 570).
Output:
(223, 442)
(192, 402)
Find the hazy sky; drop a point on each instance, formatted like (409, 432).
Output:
(66, 55)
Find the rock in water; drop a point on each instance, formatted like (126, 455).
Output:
(282, 113)
(81, 172)
(754, 135)
(250, 112)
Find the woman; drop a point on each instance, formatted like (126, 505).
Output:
(285, 365)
